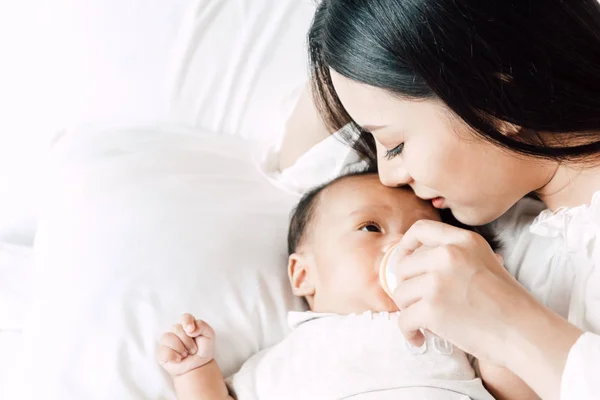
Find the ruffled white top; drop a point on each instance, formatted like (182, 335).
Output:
(577, 231)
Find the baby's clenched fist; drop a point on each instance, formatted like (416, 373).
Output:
(189, 345)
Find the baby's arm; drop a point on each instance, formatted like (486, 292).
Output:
(503, 384)
(186, 353)
(204, 383)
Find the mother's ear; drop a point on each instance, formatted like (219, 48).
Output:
(299, 272)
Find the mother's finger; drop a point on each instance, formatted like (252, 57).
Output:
(411, 320)
(430, 234)
(410, 291)
(418, 263)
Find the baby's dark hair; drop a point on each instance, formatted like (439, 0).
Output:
(304, 213)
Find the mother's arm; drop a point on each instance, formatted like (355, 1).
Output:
(548, 349)
(533, 260)
(458, 289)
(304, 129)
(503, 384)
(569, 360)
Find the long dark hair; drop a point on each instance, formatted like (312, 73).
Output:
(532, 63)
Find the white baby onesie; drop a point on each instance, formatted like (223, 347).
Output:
(329, 356)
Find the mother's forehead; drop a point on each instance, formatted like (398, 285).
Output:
(367, 105)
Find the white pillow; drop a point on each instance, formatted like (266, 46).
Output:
(240, 65)
(139, 226)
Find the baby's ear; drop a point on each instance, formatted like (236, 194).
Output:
(299, 268)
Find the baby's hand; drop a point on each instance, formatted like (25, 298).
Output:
(189, 345)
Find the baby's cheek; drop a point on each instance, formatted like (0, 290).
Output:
(369, 282)
(353, 268)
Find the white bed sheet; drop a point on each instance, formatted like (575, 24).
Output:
(11, 378)
(240, 66)
(16, 267)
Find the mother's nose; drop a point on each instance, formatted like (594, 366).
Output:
(393, 173)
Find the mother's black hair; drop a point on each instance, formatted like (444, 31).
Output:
(532, 63)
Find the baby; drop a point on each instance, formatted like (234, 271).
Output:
(348, 345)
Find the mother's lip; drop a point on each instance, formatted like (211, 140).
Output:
(438, 202)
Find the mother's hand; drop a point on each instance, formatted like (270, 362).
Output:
(457, 288)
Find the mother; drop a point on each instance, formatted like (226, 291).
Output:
(476, 104)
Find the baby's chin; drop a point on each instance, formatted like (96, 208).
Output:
(379, 304)
(375, 302)
(384, 303)
(378, 300)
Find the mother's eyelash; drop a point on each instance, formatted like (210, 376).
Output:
(394, 152)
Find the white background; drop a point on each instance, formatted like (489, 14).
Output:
(66, 62)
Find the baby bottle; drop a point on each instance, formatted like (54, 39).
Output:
(387, 272)
(389, 282)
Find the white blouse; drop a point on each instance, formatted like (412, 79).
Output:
(558, 259)
(555, 255)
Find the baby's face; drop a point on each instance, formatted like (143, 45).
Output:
(355, 223)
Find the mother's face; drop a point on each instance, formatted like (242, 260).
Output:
(421, 143)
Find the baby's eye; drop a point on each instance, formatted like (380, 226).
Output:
(370, 227)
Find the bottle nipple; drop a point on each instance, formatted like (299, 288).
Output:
(387, 274)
